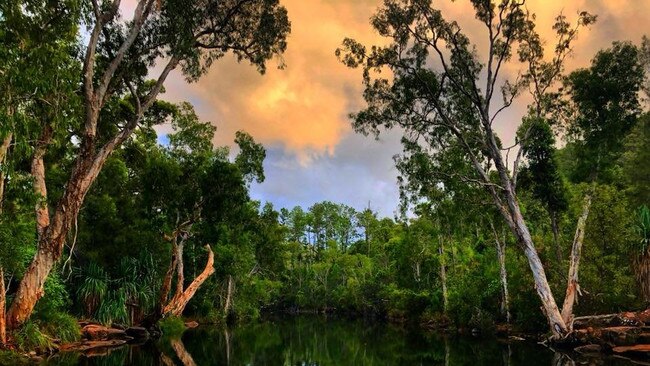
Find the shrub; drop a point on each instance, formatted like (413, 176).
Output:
(113, 309)
(30, 337)
(172, 326)
(61, 326)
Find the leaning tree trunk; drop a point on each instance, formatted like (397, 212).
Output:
(573, 285)
(505, 199)
(176, 306)
(516, 221)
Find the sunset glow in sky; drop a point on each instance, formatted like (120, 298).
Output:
(300, 113)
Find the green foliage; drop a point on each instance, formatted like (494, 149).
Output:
(172, 327)
(606, 104)
(30, 337)
(634, 162)
(93, 288)
(13, 358)
(112, 309)
(61, 326)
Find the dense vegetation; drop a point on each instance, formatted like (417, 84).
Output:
(101, 218)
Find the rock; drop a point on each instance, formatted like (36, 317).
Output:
(96, 332)
(644, 316)
(118, 326)
(621, 336)
(589, 349)
(87, 345)
(192, 324)
(636, 350)
(137, 332)
(630, 319)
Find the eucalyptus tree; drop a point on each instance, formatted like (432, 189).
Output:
(118, 60)
(37, 84)
(445, 97)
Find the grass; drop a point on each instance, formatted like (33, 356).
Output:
(30, 337)
(62, 326)
(12, 358)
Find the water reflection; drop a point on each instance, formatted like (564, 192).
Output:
(311, 341)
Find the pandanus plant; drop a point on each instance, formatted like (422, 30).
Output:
(93, 288)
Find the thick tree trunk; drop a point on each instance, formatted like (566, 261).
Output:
(501, 253)
(166, 286)
(31, 286)
(573, 285)
(443, 275)
(3, 325)
(180, 271)
(52, 234)
(177, 305)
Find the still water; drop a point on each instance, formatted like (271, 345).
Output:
(314, 341)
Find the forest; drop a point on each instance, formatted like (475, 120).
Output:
(104, 220)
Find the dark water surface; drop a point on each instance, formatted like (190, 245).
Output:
(314, 341)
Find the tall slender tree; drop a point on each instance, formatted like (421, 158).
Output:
(443, 97)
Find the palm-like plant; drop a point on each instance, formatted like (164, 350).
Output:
(136, 282)
(113, 308)
(93, 288)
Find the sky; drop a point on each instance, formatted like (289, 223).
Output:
(300, 113)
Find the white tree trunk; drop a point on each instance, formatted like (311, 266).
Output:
(177, 304)
(573, 285)
(229, 293)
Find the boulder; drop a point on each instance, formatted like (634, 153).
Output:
(642, 350)
(644, 316)
(191, 324)
(589, 349)
(137, 332)
(88, 345)
(96, 332)
(621, 336)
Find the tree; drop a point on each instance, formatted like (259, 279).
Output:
(116, 60)
(606, 104)
(435, 96)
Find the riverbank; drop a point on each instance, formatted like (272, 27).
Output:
(621, 335)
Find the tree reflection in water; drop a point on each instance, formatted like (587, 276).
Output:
(315, 341)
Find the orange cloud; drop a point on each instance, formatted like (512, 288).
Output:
(305, 106)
